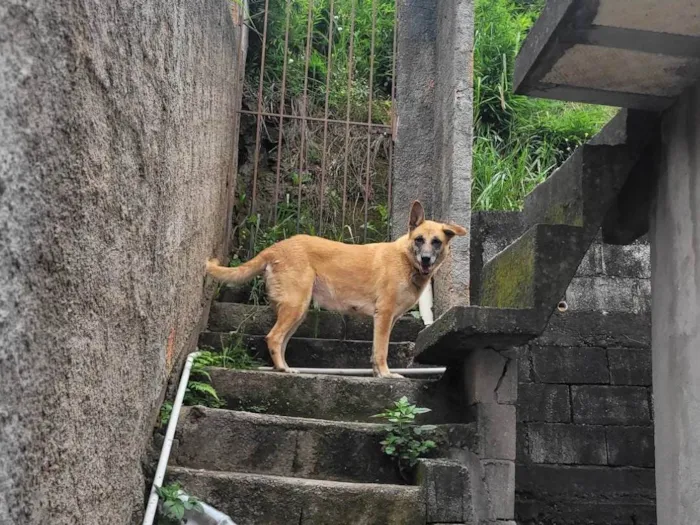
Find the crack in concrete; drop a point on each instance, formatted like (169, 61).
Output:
(504, 372)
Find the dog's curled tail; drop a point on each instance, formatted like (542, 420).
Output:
(238, 275)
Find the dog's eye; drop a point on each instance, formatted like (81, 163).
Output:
(419, 240)
(437, 242)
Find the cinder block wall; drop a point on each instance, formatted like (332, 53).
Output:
(117, 155)
(585, 440)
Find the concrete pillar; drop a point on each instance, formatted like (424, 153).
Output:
(434, 129)
(675, 237)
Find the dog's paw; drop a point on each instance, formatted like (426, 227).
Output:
(287, 370)
(388, 375)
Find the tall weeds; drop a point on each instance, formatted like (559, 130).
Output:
(518, 141)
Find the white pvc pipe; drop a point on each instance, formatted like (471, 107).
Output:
(168, 443)
(361, 371)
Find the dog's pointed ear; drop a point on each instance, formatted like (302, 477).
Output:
(416, 217)
(454, 229)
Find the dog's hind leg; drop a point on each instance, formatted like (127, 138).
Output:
(291, 310)
(288, 320)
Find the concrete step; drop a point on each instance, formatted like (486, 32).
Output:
(227, 440)
(331, 397)
(316, 353)
(535, 271)
(582, 190)
(253, 499)
(258, 320)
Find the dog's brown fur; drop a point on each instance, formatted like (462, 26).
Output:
(382, 280)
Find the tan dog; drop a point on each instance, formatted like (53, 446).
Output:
(382, 280)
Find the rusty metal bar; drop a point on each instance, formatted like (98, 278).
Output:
(304, 101)
(369, 114)
(259, 114)
(317, 119)
(280, 134)
(329, 61)
(393, 116)
(347, 111)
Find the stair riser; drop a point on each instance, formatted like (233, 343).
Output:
(258, 320)
(237, 442)
(279, 501)
(317, 353)
(329, 397)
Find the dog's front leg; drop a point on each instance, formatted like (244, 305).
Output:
(383, 322)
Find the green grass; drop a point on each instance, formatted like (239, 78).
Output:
(518, 141)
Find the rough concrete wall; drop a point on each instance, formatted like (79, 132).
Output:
(675, 237)
(453, 143)
(116, 150)
(584, 434)
(415, 98)
(434, 129)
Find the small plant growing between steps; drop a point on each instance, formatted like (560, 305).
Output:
(405, 441)
(164, 415)
(199, 389)
(234, 355)
(174, 503)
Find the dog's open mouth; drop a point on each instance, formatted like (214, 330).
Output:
(425, 268)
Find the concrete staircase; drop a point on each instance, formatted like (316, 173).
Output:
(304, 449)
(300, 449)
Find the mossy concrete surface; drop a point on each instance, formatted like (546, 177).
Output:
(334, 398)
(535, 270)
(216, 439)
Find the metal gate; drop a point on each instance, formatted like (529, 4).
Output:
(320, 89)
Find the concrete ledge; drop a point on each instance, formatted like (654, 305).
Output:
(462, 330)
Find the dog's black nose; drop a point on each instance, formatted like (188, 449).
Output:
(425, 260)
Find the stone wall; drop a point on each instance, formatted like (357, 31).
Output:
(585, 443)
(117, 155)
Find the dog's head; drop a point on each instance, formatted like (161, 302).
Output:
(429, 241)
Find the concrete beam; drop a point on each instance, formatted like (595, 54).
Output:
(603, 53)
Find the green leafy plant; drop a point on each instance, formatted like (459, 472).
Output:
(233, 355)
(164, 415)
(406, 441)
(174, 505)
(199, 390)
